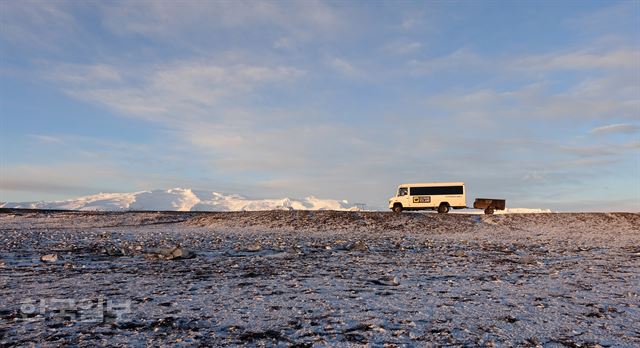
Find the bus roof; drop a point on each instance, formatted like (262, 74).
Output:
(431, 184)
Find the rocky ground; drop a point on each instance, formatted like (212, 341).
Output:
(291, 278)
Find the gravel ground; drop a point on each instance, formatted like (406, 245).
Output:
(292, 278)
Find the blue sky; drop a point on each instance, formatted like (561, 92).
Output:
(537, 102)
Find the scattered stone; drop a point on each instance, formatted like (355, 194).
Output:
(49, 258)
(386, 281)
(534, 341)
(114, 251)
(177, 253)
(510, 319)
(359, 327)
(251, 336)
(527, 260)
(359, 246)
(181, 253)
(253, 248)
(353, 246)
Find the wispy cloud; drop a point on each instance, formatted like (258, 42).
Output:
(165, 20)
(618, 59)
(170, 92)
(213, 108)
(346, 68)
(85, 75)
(402, 47)
(618, 19)
(534, 102)
(615, 128)
(461, 58)
(45, 138)
(37, 24)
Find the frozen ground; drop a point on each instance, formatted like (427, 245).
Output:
(305, 278)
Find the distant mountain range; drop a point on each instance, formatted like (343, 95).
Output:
(180, 199)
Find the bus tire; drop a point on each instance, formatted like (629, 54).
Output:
(488, 210)
(443, 208)
(397, 208)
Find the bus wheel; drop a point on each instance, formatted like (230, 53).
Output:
(397, 208)
(443, 208)
(489, 210)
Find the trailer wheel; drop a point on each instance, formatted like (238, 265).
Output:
(397, 208)
(488, 210)
(443, 208)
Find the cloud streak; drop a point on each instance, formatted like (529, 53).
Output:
(615, 129)
(170, 92)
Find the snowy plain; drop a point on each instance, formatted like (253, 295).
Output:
(324, 278)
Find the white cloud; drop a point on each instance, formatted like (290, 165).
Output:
(210, 108)
(535, 176)
(170, 92)
(591, 150)
(619, 59)
(414, 21)
(621, 63)
(534, 102)
(284, 43)
(619, 18)
(165, 20)
(46, 138)
(37, 24)
(615, 128)
(402, 47)
(460, 59)
(346, 68)
(85, 75)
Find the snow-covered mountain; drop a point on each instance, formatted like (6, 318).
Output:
(180, 199)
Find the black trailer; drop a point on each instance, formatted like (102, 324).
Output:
(489, 204)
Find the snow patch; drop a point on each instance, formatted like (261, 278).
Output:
(506, 211)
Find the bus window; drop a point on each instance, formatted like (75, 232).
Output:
(402, 191)
(437, 190)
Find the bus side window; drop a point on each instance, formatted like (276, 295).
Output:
(402, 191)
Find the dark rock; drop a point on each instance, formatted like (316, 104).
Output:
(253, 248)
(177, 253)
(386, 281)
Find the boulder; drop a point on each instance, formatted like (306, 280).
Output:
(175, 253)
(253, 248)
(49, 258)
(181, 253)
(357, 246)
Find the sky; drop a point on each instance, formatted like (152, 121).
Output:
(537, 102)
